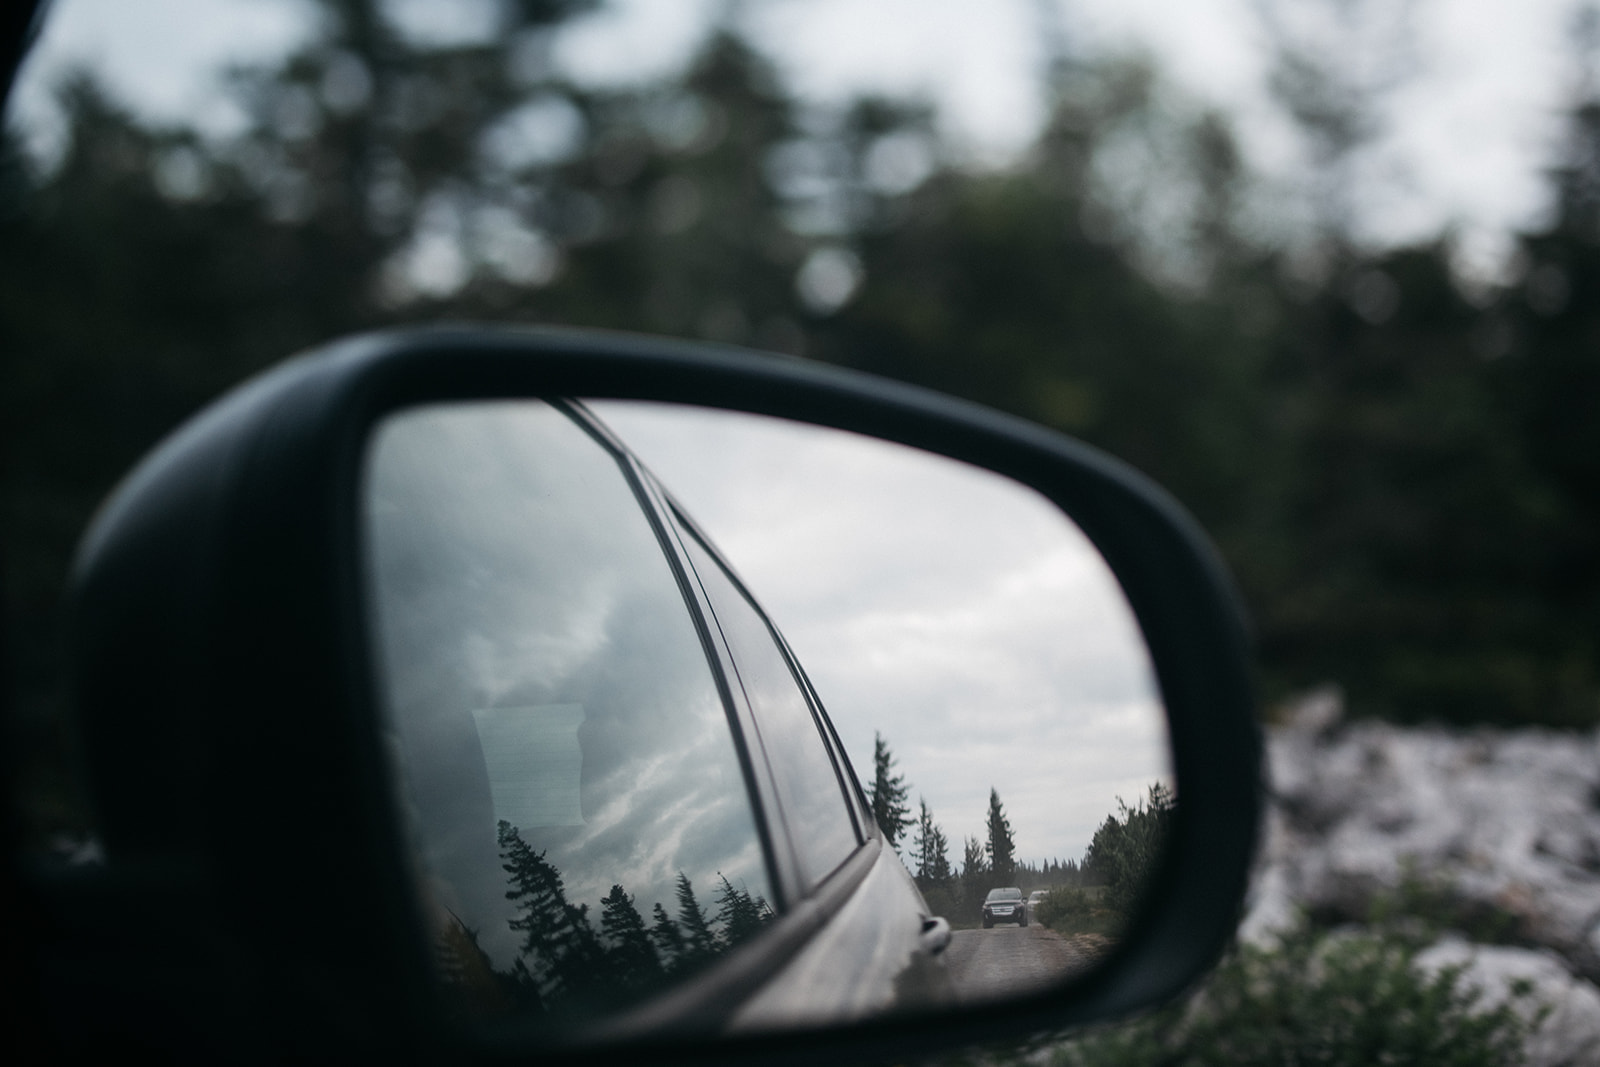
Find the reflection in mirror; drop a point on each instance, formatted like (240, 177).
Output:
(608, 730)
(573, 791)
(977, 658)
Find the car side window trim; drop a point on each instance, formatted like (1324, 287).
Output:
(801, 682)
(759, 790)
(855, 795)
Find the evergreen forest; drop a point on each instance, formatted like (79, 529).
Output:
(1400, 462)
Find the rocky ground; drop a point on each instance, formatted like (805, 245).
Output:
(1492, 835)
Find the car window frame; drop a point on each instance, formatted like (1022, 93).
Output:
(760, 791)
(856, 796)
(711, 997)
(824, 729)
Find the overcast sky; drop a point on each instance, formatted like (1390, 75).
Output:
(1469, 128)
(959, 614)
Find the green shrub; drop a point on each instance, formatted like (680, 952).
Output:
(1075, 910)
(1329, 999)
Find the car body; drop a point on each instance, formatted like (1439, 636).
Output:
(1034, 899)
(1004, 905)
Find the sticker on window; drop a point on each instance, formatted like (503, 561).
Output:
(534, 763)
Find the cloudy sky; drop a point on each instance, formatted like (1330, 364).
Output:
(959, 614)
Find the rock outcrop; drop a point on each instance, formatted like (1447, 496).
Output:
(1492, 835)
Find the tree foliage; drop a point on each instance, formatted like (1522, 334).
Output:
(974, 865)
(1000, 849)
(567, 967)
(930, 849)
(1398, 463)
(740, 915)
(1125, 852)
(888, 793)
(1317, 998)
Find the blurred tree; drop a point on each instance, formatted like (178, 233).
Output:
(1000, 848)
(631, 957)
(888, 793)
(700, 942)
(1400, 469)
(741, 915)
(974, 875)
(930, 851)
(666, 937)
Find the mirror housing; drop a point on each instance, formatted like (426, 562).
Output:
(255, 876)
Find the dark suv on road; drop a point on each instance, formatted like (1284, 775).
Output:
(1004, 906)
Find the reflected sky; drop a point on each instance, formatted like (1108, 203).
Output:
(957, 613)
(524, 603)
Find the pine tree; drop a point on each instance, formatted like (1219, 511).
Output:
(929, 850)
(1002, 864)
(700, 942)
(668, 939)
(1125, 851)
(888, 793)
(974, 869)
(740, 915)
(973, 863)
(565, 955)
(633, 960)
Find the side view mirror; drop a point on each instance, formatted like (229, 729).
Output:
(434, 704)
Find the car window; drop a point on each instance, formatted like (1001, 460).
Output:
(576, 801)
(815, 809)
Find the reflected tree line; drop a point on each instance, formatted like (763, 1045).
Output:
(568, 969)
(1098, 894)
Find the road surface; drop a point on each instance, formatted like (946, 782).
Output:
(990, 963)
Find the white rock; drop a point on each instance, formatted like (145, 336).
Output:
(1568, 1035)
(1506, 821)
(1270, 909)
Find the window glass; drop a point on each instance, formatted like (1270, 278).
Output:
(566, 763)
(814, 806)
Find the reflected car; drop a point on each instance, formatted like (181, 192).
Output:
(621, 780)
(1004, 905)
(1035, 898)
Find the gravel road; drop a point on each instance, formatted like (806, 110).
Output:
(988, 963)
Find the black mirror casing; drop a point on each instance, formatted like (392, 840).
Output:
(255, 880)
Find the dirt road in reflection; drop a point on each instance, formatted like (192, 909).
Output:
(985, 964)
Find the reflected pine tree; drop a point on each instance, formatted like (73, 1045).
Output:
(1125, 852)
(701, 944)
(569, 970)
(666, 936)
(633, 959)
(564, 954)
(741, 915)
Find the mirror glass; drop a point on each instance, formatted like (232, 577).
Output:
(653, 672)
